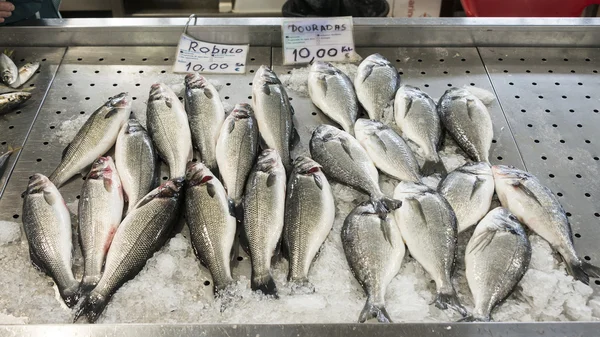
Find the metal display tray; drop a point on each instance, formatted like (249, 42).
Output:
(545, 120)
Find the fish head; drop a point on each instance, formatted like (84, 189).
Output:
(306, 166)
(508, 174)
(133, 126)
(103, 168)
(197, 173)
(8, 77)
(38, 183)
(195, 81)
(477, 169)
(325, 132)
(120, 101)
(170, 189)
(503, 220)
(324, 68)
(242, 111)
(368, 126)
(377, 60)
(267, 76)
(268, 161)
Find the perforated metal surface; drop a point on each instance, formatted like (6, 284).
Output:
(15, 125)
(551, 99)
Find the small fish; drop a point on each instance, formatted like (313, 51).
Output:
(143, 231)
(333, 93)
(100, 211)
(206, 115)
(47, 225)
(539, 209)
(264, 207)
(388, 150)
(95, 138)
(26, 72)
(497, 257)
(309, 215)
(169, 129)
(468, 121)
(374, 250)
(344, 160)
(211, 221)
(11, 101)
(428, 226)
(135, 159)
(416, 116)
(9, 73)
(376, 83)
(469, 190)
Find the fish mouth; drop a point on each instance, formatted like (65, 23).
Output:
(268, 160)
(242, 110)
(378, 59)
(37, 183)
(480, 168)
(503, 171)
(195, 80)
(323, 67)
(100, 168)
(170, 189)
(120, 101)
(267, 75)
(306, 166)
(197, 173)
(133, 125)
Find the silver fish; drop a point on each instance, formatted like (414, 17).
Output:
(169, 129)
(309, 215)
(143, 231)
(47, 225)
(468, 121)
(333, 93)
(206, 115)
(428, 226)
(496, 258)
(374, 250)
(264, 206)
(388, 150)
(100, 213)
(416, 116)
(211, 221)
(536, 207)
(95, 138)
(469, 190)
(236, 150)
(11, 101)
(135, 159)
(344, 160)
(376, 83)
(273, 113)
(26, 72)
(9, 73)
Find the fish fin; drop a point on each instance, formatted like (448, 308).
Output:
(265, 284)
(64, 151)
(271, 179)
(518, 184)
(198, 255)
(481, 241)
(108, 185)
(88, 283)
(111, 113)
(381, 143)
(385, 229)
(414, 202)
(50, 198)
(476, 185)
(265, 89)
(431, 167)
(371, 311)
(261, 142)
(472, 318)
(385, 205)
(321, 82)
(470, 108)
(367, 72)
(231, 126)
(346, 147)
(318, 181)
(208, 93)
(445, 301)
(277, 253)
(301, 286)
(36, 262)
(210, 188)
(582, 271)
(92, 306)
(409, 103)
(590, 269)
(71, 295)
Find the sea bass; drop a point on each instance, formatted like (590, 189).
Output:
(376, 83)
(539, 209)
(95, 138)
(333, 93)
(100, 213)
(47, 225)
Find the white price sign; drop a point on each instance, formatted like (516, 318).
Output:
(317, 39)
(205, 57)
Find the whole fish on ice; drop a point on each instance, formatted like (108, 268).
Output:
(376, 83)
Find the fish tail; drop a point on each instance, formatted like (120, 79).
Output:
(91, 307)
(71, 295)
(265, 284)
(302, 286)
(434, 166)
(383, 205)
(9, 52)
(449, 300)
(88, 284)
(581, 270)
(371, 310)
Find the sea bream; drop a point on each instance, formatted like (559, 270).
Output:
(333, 93)
(273, 112)
(100, 213)
(539, 209)
(376, 83)
(97, 135)
(47, 226)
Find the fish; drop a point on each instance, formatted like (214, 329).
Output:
(169, 129)
(206, 115)
(135, 159)
(211, 221)
(47, 226)
(374, 250)
(469, 190)
(11, 101)
(236, 150)
(309, 215)
(428, 226)
(100, 213)
(497, 256)
(416, 117)
(5, 156)
(376, 83)
(539, 209)
(97, 135)
(333, 93)
(143, 231)
(273, 112)
(468, 121)
(388, 151)
(264, 206)
(344, 160)
(9, 73)
(26, 72)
